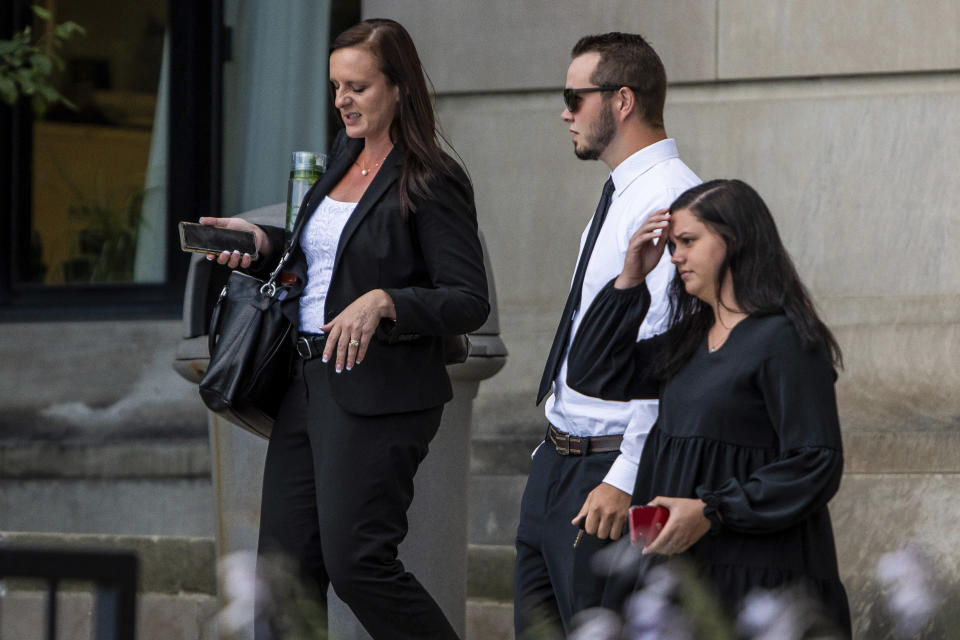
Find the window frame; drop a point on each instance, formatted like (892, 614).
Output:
(197, 51)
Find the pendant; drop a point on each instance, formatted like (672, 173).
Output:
(364, 172)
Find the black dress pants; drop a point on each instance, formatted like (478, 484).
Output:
(553, 580)
(336, 491)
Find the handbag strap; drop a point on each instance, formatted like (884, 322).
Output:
(270, 287)
(213, 330)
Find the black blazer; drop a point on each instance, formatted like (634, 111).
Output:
(431, 264)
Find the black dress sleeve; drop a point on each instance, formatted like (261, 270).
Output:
(606, 360)
(797, 388)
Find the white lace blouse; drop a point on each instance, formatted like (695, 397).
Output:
(321, 235)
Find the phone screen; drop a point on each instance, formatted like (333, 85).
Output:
(201, 238)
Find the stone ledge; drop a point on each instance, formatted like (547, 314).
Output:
(502, 456)
(175, 565)
(901, 452)
(489, 620)
(159, 616)
(167, 565)
(490, 572)
(124, 459)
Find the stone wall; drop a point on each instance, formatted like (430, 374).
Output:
(842, 115)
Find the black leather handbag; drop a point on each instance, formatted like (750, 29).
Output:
(251, 352)
(251, 348)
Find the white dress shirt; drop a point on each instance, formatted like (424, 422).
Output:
(319, 241)
(647, 181)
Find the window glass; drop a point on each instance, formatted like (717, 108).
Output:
(98, 193)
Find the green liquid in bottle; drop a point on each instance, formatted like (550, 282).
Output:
(305, 168)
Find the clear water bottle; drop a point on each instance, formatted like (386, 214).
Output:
(305, 168)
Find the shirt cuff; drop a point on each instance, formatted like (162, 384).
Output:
(622, 474)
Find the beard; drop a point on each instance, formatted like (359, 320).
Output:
(600, 136)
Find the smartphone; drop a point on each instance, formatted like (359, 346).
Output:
(646, 523)
(201, 238)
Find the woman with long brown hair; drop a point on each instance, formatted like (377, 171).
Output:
(390, 263)
(746, 451)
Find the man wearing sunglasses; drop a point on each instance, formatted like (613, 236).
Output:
(582, 475)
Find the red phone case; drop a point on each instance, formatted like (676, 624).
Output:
(644, 521)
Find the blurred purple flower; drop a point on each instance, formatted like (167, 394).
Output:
(596, 623)
(771, 615)
(783, 614)
(650, 613)
(910, 596)
(240, 584)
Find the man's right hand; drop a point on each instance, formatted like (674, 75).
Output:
(642, 254)
(605, 512)
(236, 259)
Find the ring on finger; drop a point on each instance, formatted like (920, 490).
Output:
(354, 343)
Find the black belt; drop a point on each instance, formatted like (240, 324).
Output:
(568, 445)
(310, 345)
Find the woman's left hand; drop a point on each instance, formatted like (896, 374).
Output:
(349, 334)
(684, 527)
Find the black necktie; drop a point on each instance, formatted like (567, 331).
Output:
(573, 300)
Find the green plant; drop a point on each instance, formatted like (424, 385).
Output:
(108, 242)
(26, 63)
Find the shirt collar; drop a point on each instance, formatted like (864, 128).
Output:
(642, 161)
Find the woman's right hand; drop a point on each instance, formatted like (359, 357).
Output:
(236, 259)
(643, 253)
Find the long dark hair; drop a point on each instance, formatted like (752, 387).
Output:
(414, 126)
(765, 280)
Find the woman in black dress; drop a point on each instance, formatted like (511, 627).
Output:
(746, 452)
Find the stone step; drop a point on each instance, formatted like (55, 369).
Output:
(133, 487)
(167, 564)
(498, 474)
(489, 620)
(177, 588)
(493, 508)
(502, 456)
(94, 494)
(102, 487)
(159, 616)
(172, 565)
(92, 459)
(490, 572)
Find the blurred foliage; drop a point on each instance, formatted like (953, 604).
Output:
(28, 62)
(108, 241)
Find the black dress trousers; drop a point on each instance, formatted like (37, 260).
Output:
(553, 580)
(336, 491)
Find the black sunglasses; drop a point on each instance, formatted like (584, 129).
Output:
(572, 99)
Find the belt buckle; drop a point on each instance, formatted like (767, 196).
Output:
(304, 345)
